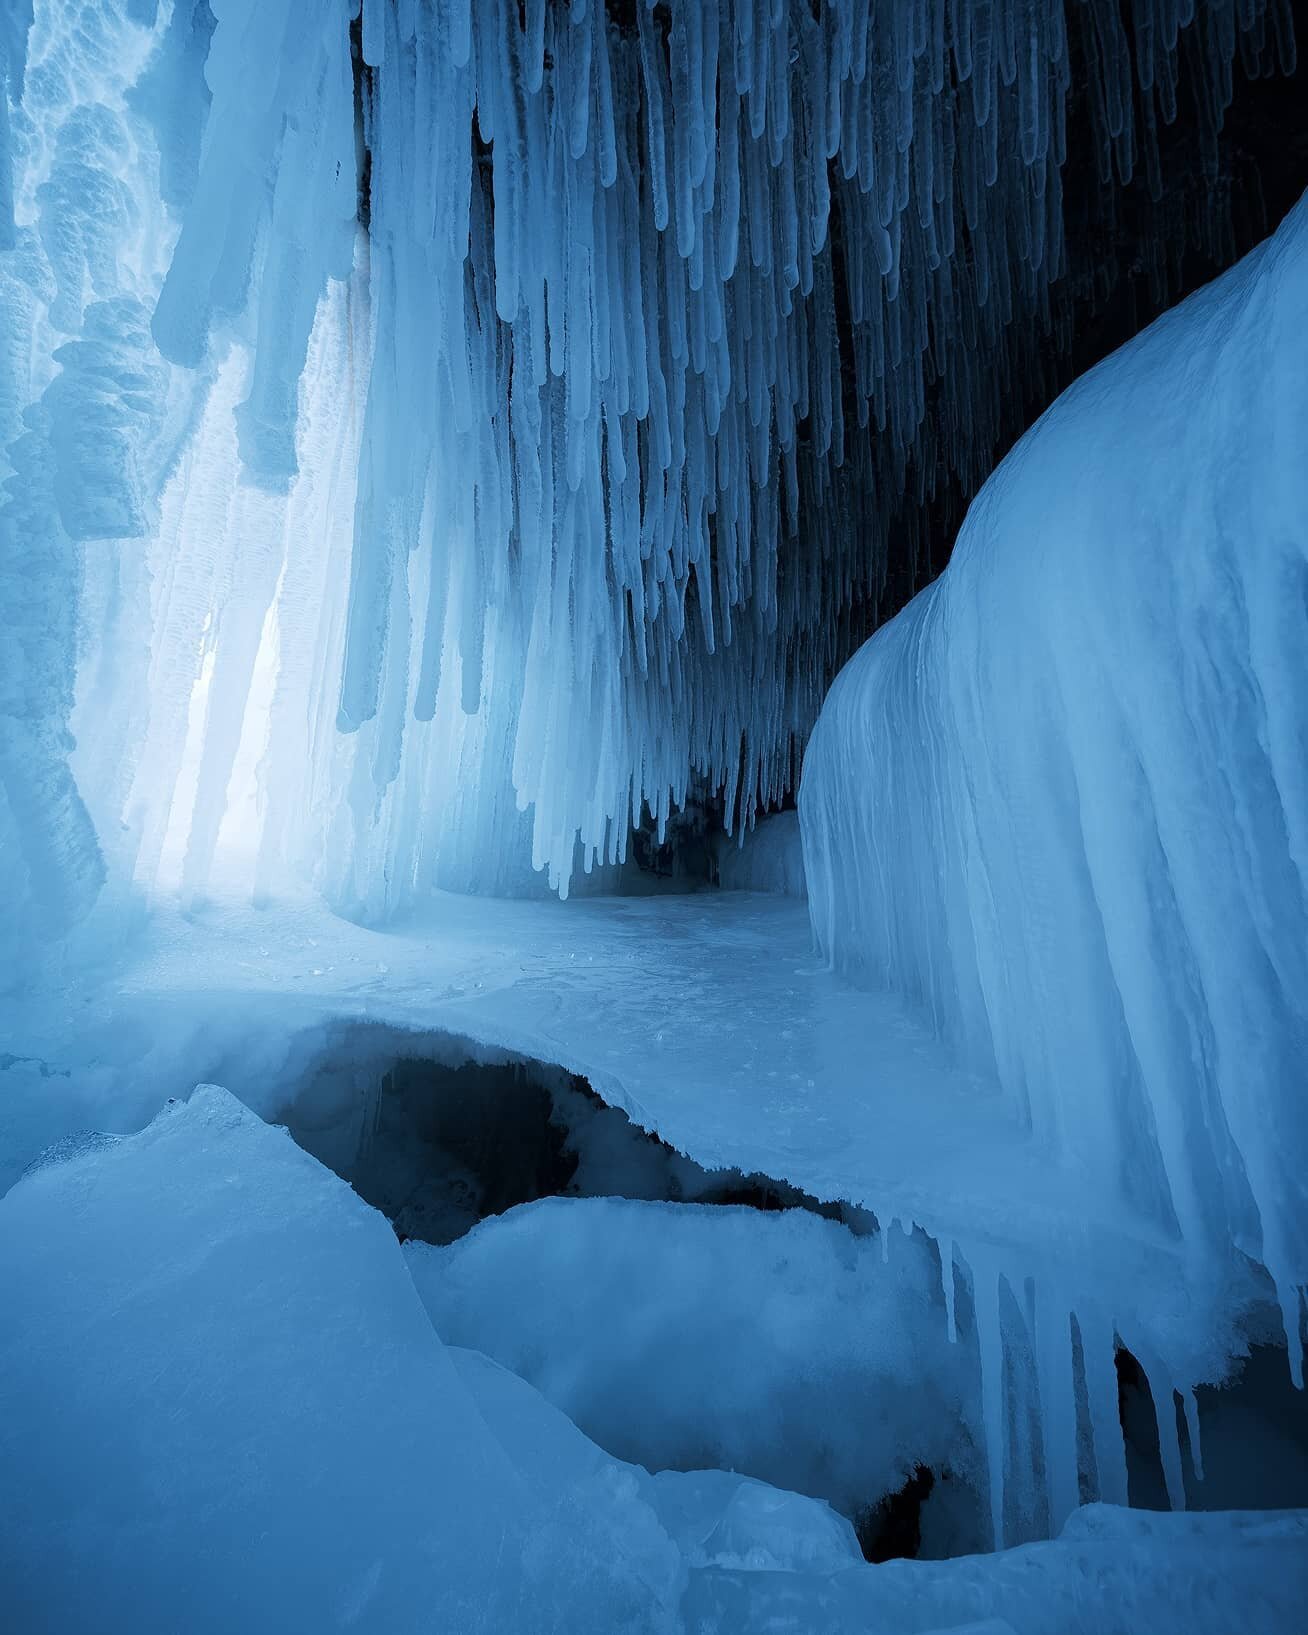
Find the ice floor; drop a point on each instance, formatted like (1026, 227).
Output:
(710, 1021)
(706, 1017)
(272, 1430)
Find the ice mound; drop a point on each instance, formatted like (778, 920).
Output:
(715, 1517)
(1060, 806)
(225, 1409)
(1061, 801)
(682, 1336)
(1112, 1572)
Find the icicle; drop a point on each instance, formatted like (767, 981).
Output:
(651, 57)
(1053, 1342)
(946, 1247)
(1097, 1353)
(1169, 1443)
(1288, 1296)
(577, 394)
(534, 47)
(986, 1283)
(1192, 1429)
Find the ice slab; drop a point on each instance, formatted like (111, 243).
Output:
(715, 1517)
(676, 1335)
(226, 1409)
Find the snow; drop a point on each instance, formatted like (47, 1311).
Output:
(1111, 1572)
(682, 1335)
(272, 1435)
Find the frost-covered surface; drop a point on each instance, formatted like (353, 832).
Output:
(1060, 804)
(533, 474)
(684, 1335)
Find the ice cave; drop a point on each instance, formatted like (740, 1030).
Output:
(653, 817)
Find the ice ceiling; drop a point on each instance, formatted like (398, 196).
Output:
(436, 435)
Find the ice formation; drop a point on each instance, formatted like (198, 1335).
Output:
(495, 388)
(264, 1375)
(1060, 801)
(1111, 1573)
(768, 857)
(715, 1517)
(272, 1435)
(714, 1364)
(442, 438)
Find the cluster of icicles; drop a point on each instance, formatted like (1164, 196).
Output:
(634, 422)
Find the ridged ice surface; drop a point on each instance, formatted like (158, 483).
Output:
(571, 479)
(1060, 803)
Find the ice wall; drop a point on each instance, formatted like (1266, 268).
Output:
(84, 440)
(552, 434)
(1062, 800)
(769, 858)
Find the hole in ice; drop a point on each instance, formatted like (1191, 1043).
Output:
(1254, 1438)
(440, 1134)
(892, 1528)
(438, 1141)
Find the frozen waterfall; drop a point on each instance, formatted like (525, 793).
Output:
(573, 477)
(1060, 802)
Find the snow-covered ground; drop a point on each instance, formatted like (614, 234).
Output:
(710, 1021)
(226, 1409)
(707, 1017)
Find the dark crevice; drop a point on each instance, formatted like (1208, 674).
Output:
(1255, 1436)
(438, 1142)
(891, 1529)
(363, 93)
(437, 1147)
